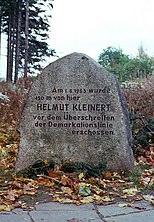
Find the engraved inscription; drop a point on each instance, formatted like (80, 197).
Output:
(65, 110)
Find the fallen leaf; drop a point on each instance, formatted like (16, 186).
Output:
(2, 207)
(53, 174)
(103, 183)
(66, 190)
(144, 181)
(136, 163)
(97, 190)
(65, 200)
(84, 190)
(81, 175)
(106, 199)
(107, 175)
(45, 162)
(87, 200)
(123, 205)
(131, 191)
(29, 190)
(149, 198)
(11, 195)
(97, 197)
(151, 182)
(2, 164)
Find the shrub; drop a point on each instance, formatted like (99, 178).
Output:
(140, 98)
(10, 109)
(141, 107)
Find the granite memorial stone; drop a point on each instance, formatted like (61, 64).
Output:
(75, 111)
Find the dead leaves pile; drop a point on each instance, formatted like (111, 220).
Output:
(71, 187)
(146, 156)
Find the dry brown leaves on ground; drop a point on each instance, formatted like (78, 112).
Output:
(72, 187)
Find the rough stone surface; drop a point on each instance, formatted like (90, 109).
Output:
(137, 217)
(76, 112)
(52, 206)
(65, 216)
(13, 217)
(51, 212)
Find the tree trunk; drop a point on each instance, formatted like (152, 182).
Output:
(18, 33)
(0, 37)
(13, 39)
(8, 74)
(11, 42)
(26, 39)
